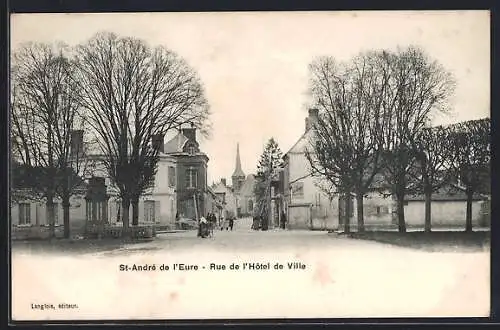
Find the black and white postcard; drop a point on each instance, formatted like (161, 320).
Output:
(250, 165)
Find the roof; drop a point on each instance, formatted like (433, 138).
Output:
(176, 144)
(450, 192)
(299, 146)
(220, 188)
(248, 185)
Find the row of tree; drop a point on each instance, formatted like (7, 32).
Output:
(374, 123)
(120, 91)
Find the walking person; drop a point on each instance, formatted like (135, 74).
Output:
(203, 228)
(231, 223)
(283, 220)
(212, 220)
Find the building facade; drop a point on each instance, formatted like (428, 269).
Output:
(247, 201)
(226, 194)
(158, 205)
(309, 207)
(190, 172)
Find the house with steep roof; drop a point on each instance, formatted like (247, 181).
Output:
(189, 175)
(309, 207)
(306, 203)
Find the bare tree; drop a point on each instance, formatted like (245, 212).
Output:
(470, 141)
(346, 144)
(44, 103)
(417, 88)
(132, 93)
(434, 158)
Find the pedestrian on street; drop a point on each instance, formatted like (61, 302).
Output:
(283, 220)
(231, 223)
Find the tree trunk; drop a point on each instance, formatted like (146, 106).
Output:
(428, 205)
(125, 215)
(359, 209)
(401, 213)
(341, 215)
(270, 220)
(135, 212)
(347, 214)
(51, 214)
(66, 205)
(468, 219)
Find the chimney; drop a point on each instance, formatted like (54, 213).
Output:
(76, 142)
(190, 133)
(312, 118)
(157, 142)
(223, 181)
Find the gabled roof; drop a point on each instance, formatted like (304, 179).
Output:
(299, 146)
(221, 188)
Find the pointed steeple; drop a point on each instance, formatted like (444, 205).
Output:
(238, 172)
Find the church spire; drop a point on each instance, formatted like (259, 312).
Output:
(238, 172)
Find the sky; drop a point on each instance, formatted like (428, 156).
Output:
(254, 65)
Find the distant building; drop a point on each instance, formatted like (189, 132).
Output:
(243, 188)
(247, 196)
(226, 194)
(213, 203)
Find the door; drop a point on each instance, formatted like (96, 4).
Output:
(299, 217)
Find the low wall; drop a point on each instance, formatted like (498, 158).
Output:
(447, 213)
(34, 232)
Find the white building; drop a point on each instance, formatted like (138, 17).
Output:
(157, 206)
(308, 207)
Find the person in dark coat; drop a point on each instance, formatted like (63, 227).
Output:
(231, 223)
(283, 220)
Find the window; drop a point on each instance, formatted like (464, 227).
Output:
(250, 205)
(378, 210)
(24, 213)
(171, 176)
(149, 211)
(191, 178)
(298, 190)
(192, 150)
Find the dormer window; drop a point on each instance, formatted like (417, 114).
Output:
(192, 150)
